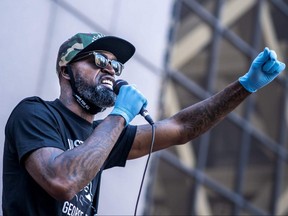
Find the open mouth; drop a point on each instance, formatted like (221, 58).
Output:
(108, 83)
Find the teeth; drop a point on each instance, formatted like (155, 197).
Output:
(109, 82)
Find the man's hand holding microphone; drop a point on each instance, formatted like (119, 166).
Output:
(129, 103)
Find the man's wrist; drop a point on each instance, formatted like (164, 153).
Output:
(245, 83)
(120, 117)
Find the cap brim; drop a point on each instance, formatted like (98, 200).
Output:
(122, 49)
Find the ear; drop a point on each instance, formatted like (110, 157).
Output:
(64, 73)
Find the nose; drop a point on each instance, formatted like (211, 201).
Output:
(109, 69)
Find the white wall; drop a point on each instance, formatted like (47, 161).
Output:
(31, 33)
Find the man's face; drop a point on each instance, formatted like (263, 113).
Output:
(93, 83)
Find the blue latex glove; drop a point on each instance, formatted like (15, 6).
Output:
(264, 68)
(129, 102)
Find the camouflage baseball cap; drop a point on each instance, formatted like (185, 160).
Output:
(85, 42)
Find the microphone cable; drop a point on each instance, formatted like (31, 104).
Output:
(146, 166)
(116, 88)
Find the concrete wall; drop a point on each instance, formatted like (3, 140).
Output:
(31, 33)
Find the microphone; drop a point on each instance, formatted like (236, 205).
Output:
(118, 84)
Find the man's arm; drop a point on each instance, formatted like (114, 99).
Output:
(193, 121)
(63, 174)
(189, 123)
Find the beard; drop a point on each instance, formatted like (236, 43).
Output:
(99, 95)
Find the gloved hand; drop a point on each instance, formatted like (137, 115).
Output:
(264, 68)
(129, 102)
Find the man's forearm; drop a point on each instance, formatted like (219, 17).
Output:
(202, 116)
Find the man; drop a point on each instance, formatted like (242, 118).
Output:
(55, 153)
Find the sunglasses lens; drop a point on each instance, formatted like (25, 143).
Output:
(117, 66)
(101, 61)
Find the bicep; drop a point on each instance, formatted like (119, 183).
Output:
(39, 164)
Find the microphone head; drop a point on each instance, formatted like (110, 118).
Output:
(118, 84)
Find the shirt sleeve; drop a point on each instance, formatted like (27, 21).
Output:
(32, 126)
(119, 153)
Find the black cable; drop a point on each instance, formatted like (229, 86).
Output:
(146, 166)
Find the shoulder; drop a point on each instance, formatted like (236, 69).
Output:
(28, 103)
(30, 109)
(31, 105)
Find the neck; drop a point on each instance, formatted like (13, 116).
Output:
(72, 105)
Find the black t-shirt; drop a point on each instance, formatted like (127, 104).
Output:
(34, 124)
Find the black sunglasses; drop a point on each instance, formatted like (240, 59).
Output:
(102, 61)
